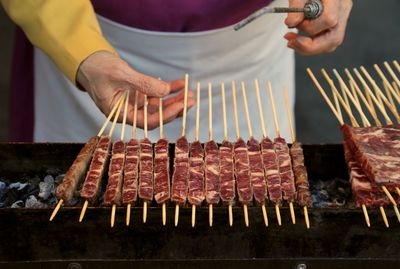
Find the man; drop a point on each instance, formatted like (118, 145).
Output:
(139, 42)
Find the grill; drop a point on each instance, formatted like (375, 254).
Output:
(338, 236)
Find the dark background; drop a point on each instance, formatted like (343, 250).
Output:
(373, 36)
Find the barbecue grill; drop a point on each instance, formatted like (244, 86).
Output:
(338, 236)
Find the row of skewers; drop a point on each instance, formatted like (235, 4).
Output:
(266, 171)
(371, 152)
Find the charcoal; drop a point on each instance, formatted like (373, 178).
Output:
(18, 204)
(18, 186)
(3, 190)
(32, 202)
(46, 187)
(59, 179)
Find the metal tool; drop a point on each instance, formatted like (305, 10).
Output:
(312, 10)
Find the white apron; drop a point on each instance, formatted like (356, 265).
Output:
(63, 113)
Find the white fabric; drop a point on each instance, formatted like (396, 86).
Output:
(63, 113)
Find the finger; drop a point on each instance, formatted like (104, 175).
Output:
(169, 114)
(326, 42)
(293, 19)
(328, 19)
(177, 85)
(148, 85)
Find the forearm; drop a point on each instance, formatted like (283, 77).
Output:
(67, 31)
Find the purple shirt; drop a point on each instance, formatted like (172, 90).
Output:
(152, 15)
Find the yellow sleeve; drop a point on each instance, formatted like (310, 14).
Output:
(66, 30)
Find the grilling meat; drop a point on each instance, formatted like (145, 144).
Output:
(196, 174)
(257, 171)
(271, 170)
(146, 170)
(180, 176)
(131, 172)
(162, 190)
(113, 194)
(285, 169)
(76, 173)
(212, 172)
(227, 173)
(242, 172)
(91, 186)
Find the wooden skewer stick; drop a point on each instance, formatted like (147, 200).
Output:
(396, 87)
(272, 99)
(264, 133)
(183, 134)
(114, 206)
(135, 106)
(230, 211)
(164, 206)
(370, 94)
(145, 104)
(328, 101)
(210, 137)
(336, 100)
(196, 139)
(366, 102)
(245, 211)
(383, 213)
(86, 203)
(120, 100)
(293, 134)
(392, 73)
(388, 85)
(389, 95)
(380, 93)
(340, 119)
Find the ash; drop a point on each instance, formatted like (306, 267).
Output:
(33, 192)
(332, 193)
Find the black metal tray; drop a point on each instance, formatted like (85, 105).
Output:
(338, 236)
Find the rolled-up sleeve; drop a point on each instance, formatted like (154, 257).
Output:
(66, 30)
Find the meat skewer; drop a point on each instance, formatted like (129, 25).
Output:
(162, 190)
(242, 166)
(386, 191)
(145, 190)
(180, 175)
(393, 75)
(211, 159)
(113, 193)
(257, 176)
(131, 168)
(227, 169)
(76, 173)
(270, 163)
(196, 166)
(284, 162)
(335, 112)
(304, 198)
(101, 155)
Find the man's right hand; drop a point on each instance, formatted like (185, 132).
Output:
(105, 77)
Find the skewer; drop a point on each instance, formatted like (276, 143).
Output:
(128, 207)
(340, 119)
(145, 136)
(86, 203)
(196, 139)
(245, 211)
(164, 206)
(396, 87)
(380, 93)
(293, 135)
(183, 134)
(278, 134)
(391, 72)
(390, 90)
(114, 206)
(210, 137)
(371, 95)
(264, 133)
(366, 102)
(230, 211)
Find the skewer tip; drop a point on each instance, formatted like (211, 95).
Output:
(58, 206)
(128, 214)
(278, 214)
(306, 218)
(176, 215)
(113, 209)
(83, 211)
(193, 216)
(246, 215)
(210, 215)
(230, 215)
(144, 212)
(264, 210)
(164, 214)
(292, 214)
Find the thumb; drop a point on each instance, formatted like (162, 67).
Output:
(294, 19)
(148, 85)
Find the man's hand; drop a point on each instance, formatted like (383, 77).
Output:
(323, 34)
(105, 77)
